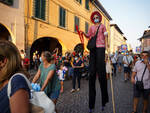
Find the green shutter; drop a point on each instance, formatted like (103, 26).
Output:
(87, 4)
(86, 27)
(76, 23)
(40, 9)
(80, 1)
(8, 2)
(62, 17)
(37, 8)
(43, 7)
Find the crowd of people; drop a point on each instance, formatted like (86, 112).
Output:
(53, 68)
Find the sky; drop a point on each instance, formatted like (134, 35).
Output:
(132, 17)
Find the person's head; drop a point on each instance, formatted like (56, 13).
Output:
(22, 51)
(145, 55)
(61, 66)
(130, 52)
(10, 61)
(46, 56)
(127, 53)
(77, 57)
(96, 17)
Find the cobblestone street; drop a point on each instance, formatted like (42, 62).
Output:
(77, 102)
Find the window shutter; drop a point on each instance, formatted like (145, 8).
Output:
(87, 4)
(37, 8)
(8, 2)
(76, 23)
(86, 27)
(43, 9)
(80, 1)
(62, 17)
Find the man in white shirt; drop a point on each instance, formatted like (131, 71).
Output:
(114, 63)
(138, 72)
(127, 61)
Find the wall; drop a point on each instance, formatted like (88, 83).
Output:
(50, 28)
(12, 17)
(116, 39)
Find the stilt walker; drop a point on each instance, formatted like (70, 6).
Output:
(97, 65)
(97, 61)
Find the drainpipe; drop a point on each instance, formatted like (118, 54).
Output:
(26, 29)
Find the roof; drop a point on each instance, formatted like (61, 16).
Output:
(97, 3)
(118, 29)
(125, 38)
(146, 34)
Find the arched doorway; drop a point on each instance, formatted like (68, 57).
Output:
(4, 33)
(45, 44)
(79, 48)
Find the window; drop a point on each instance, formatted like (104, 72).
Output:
(80, 1)
(86, 27)
(40, 9)
(8, 2)
(76, 23)
(87, 4)
(62, 17)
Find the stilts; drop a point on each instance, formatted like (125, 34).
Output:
(111, 84)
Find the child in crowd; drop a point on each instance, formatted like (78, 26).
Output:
(62, 73)
(108, 67)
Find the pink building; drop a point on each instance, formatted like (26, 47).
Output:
(145, 40)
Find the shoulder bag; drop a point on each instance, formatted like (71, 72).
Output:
(139, 84)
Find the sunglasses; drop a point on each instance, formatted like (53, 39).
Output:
(96, 17)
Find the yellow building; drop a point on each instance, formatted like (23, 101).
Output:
(50, 24)
(117, 38)
(12, 21)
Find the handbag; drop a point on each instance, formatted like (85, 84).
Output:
(92, 42)
(39, 102)
(139, 84)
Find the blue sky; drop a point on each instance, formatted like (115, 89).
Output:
(132, 16)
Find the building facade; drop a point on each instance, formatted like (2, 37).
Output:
(145, 40)
(12, 21)
(51, 24)
(116, 38)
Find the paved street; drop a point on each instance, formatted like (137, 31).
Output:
(78, 102)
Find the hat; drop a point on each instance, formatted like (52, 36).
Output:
(96, 13)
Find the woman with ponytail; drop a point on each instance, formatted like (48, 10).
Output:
(49, 81)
